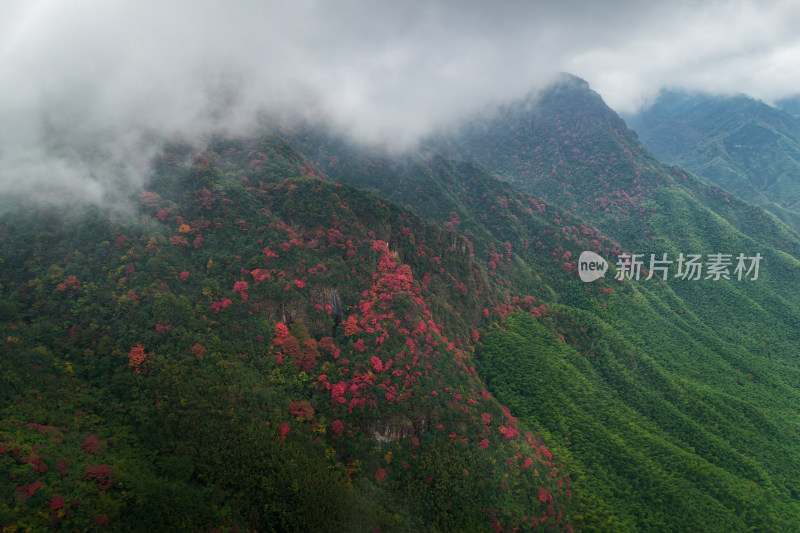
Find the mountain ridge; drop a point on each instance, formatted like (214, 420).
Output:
(292, 319)
(741, 144)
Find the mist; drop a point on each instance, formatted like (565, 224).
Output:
(90, 89)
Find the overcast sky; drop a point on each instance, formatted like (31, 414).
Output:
(83, 83)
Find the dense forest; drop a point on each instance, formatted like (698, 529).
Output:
(743, 145)
(291, 331)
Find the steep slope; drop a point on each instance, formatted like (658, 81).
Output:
(264, 355)
(655, 365)
(252, 346)
(745, 146)
(567, 146)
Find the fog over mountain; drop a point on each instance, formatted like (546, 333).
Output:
(88, 89)
(322, 266)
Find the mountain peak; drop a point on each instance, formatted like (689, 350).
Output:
(742, 144)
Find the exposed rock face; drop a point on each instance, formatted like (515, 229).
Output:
(392, 431)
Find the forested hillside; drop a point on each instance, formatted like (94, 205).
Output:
(743, 145)
(295, 332)
(257, 354)
(705, 338)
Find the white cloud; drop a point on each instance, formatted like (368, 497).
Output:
(81, 82)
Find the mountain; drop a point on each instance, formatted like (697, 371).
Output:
(568, 148)
(745, 146)
(297, 332)
(252, 353)
(790, 105)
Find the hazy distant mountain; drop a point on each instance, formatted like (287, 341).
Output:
(791, 105)
(742, 144)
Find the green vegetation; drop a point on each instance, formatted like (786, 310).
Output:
(295, 333)
(648, 445)
(254, 354)
(745, 146)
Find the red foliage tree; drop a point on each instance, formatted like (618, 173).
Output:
(284, 430)
(198, 350)
(62, 466)
(136, 358)
(302, 410)
(102, 474)
(179, 240)
(90, 445)
(56, 503)
(221, 304)
(28, 491)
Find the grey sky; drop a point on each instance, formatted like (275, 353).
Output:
(84, 84)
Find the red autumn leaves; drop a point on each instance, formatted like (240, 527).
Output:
(90, 445)
(303, 357)
(241, 287)
(70, 284)
(302, 410)
(220, 304)
(102, 474)
(136, 358)
(28, 491)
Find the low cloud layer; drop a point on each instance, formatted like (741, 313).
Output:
(89, 88)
